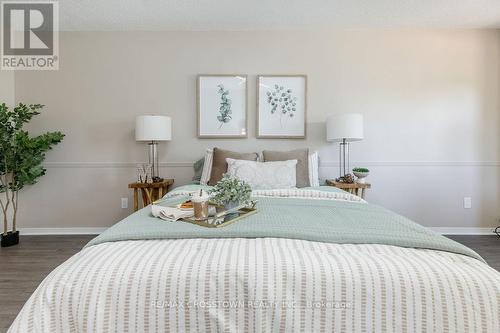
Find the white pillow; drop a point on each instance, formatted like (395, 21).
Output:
(207, 167)
(314, 169)
(264, 175)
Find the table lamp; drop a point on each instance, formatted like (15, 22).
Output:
(153, 129)
(344, 128)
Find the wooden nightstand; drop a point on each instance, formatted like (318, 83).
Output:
(150, 192)
(354, 188)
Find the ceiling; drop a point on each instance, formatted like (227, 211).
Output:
(95, 15)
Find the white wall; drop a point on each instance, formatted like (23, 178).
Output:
(7, 95)
(430, 100)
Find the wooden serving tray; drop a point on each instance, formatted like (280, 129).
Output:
(221, 219)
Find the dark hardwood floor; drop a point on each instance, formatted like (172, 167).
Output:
(487, 247)
(24, 266)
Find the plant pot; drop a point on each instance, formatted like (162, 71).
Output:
(228, 206)
(231, 205)
(12, 238)
(361, 176)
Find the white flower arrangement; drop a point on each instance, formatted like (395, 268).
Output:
(230, 189)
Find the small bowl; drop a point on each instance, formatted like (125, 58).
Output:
(360, 174)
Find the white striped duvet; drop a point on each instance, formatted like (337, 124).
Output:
(263, 285)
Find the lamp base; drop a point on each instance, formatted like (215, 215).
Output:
(344, 158)
(153, 160)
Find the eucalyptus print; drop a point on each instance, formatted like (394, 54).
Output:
(221, 103)
(225, 106)
(282, 101)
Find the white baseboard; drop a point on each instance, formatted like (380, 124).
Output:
(96, 231)
(61, 231)
(463, 231)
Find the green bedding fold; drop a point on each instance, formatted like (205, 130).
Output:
(330, 221)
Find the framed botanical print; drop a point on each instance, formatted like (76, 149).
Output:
(222, 106)
(281, 106)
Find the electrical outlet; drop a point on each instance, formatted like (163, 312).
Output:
(124, 202)
(467, 202)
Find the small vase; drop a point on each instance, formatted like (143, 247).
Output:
(361, 176)
(12, 238)
(230, 205)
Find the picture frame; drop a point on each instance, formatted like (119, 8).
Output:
(281, 106)
(221, 104)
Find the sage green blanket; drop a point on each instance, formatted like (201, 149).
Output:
(329, 221)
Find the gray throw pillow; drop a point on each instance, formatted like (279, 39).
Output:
(219, 164)
(198, 169)
(302, 157)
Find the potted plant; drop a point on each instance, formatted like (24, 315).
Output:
(230, 192)
(21, 158)
(361, 173)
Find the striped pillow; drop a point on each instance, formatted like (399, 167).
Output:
(314, 169)
(207, 167)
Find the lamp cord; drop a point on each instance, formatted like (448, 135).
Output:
(497, 231)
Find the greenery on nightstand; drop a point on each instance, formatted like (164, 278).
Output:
(360, 170)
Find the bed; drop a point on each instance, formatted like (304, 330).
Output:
(311, 260)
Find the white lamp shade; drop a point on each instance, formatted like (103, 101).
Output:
(348, 126)
(153, 128)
